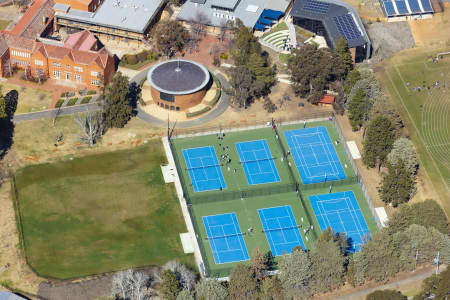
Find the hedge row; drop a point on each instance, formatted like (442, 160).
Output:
(86, 100)
(197, 113)
(145, 55)
(72, 101)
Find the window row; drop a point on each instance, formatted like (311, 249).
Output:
(170, 107)
(21, 54)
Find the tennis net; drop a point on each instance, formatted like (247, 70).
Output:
(281, 229)
(203, 167)
(224, 236)
(257, 160)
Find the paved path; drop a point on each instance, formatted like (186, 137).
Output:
(220, 108)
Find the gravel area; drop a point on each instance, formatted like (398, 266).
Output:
(389, 38)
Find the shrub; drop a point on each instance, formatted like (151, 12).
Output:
(142, 56)
(197, 113)
(132, 59)
(59, 103)
(72, 101)
(92, 92)
(67, 94)
(86, 100)
(224, 56)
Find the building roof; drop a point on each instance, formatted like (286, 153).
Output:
(230, 4)
(83, 40)
(129, 15)
(327, 99)
(399, 8)
(338, 18)
(31, 24)
(178, 77)
(248, 11)
(9, 296)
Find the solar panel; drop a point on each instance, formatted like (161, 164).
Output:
(316, 6)
(390, 11)
(426, 5)
(347, 27)
(401, 7)
(414, 6)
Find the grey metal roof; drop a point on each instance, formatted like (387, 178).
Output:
(336, 8)
(10, 296)
(198, 1)
(129, 15)
(61, 7)
(225, 3)
(248, 11)
(178, 77)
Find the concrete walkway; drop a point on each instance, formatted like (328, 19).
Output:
(51, 113)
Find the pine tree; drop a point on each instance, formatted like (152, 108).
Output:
(397, 184)
(350, 81)
(117, 107)
(378, 141)
(170, 286)
(343, 52)
(3, 114)
(357, 109)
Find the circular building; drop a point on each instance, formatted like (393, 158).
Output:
(178, 84)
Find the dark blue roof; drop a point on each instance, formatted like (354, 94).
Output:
(271, 14)
(263, 21)
(259, 27)
(402, 7)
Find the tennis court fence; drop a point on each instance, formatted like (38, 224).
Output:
(358, 176)
(319, 185)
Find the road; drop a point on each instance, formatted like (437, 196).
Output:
(70, 110)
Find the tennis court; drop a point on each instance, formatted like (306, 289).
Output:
(341, 212)
(281, 229)
(257, 162)
(225, 238)
(314, 155)
(204, 169)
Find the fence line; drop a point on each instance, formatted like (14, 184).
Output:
(358, 176)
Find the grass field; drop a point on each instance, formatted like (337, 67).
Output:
(99, 213)
(274, 194)
(426, 113)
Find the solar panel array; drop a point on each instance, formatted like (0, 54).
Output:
(389, 8)
(316, 6)
(414, 5)
(347, 27)
(426, 5)
(401, 7)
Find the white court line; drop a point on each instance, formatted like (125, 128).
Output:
(270, 234)
(239, 231)
(215, 247)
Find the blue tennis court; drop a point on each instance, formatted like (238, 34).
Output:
(281, 229)
(314, 155)
(341, 212)
(225, 238)
(204, 169)
(257, 162)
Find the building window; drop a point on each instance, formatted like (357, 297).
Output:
(21, 54)
(20, 62)
(67, 76)
(77, 78)
(57, 65)
(94, 74)
(57, 74)
(178, 108)
(38, 62)
(95, 82)
(166, 106)
(167, 97)
(78, 69)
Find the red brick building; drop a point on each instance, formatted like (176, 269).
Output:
(79, 59)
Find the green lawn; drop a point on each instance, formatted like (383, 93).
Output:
(425, 113)
(262, 195)
(100, 213)
(278, 27)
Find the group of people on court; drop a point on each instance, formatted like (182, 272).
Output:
(225, 159)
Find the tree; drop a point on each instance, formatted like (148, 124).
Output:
(170, 37)
(242, 284)
(185, 295)
(3, 114)
(384, 107)
(340, 239)
(244, 44)
(186, 277)
(295, 274)
(11, 101)
(343, 52)
(437, 285)
(198, 24)
(378, 141)
(258, 264)
(169, 286)
(272, 289)
(427, 213)
(260, 67)
(328, 266)
(269, 106)
(129, 285)
(357, 110)
(397, 185)
(210, 289)
(404, 150)
(353, 77)
(241, 79)
(117, 107)
(92, 126)
(386, 295)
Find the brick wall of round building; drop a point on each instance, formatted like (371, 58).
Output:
(182, 102)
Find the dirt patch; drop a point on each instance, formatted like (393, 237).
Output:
(13, 268)
(432, 32)
(389, 38)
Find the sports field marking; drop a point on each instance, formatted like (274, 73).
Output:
(420, 133)
(204, 169)
(314, 155)
(281, 229)
(257, 162)
(341, 212)
(225, 238)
